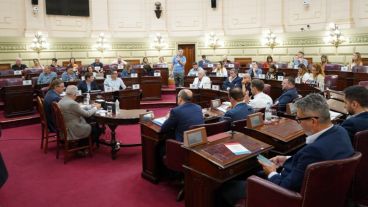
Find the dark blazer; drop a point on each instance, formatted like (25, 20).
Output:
(356, 123)
(287, 97)
(83, 86)
(240, 111)
(97, 65)
(181, 118)
(331, 145)
(50, 97)
(21, 67)
(237, 82)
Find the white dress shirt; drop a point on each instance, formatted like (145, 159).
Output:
(114, 84)
(260, 100)
(206, 81)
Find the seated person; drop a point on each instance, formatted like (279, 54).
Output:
(183, 116)
(260, 99)
(233, 81)
(97, 63)
(254, 71)
(114, 82)
(52, 95)
(74, 115)
(202, 81)
(273, 72)
(147, 67)
(225, 60)
(88, 84)
(36, 64)
(299, 59)
(268, 62)
(324, 142)
(220, 70)
(69, 75)
(46, 76)
(18, 64)
(73, 64)
(120, 62)
(317, 76)
(290, 93)
(127, 71)
(239, 110)
(246, 85)
(194, 70)
(203, 61)
(356, 60)
(303, 73)
(161, 60)
(356, 103)
(54, 63)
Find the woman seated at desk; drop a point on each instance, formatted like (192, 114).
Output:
(246, 85)
(36, 64)
(127, 71)
(356, 60)
(202, 81)
(147, 67)
(268, 62)
(273, 72)
(114, 82)
(317, 77)
(303, 73)
(220, 70)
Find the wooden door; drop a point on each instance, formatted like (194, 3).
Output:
(189, 53)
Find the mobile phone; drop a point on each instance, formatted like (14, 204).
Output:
(264, 159)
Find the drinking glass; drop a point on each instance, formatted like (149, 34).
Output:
(109, 110)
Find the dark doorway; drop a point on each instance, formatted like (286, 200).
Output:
(189, 53)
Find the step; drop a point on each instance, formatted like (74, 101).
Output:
(18, 120)
(168, 91)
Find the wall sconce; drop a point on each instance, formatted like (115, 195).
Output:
(158, 9)
(334, 36)
(213, 41)
(270, 39)
(159, 42)
(101, 45)
(39, 43)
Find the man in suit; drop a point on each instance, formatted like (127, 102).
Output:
(240, 110)
(232, 81)
(290, 93)
(88, 84)
(356, 103)
(204, 61)
(52, 95)
(74, 115)
(183, 116)
(18, 64)
(324, 141)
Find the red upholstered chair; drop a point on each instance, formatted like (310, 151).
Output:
(214, 128)
(267, 89)
(70, 146)
(360, 181)
(325, 184)
(45, 130)
(331, 81)
(2, 82)
(363, 83)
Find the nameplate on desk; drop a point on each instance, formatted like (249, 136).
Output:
(345, 69)
(17, 72)
(98, 68)
(195, 137)
(134, 75)
(280, 78)
(207, 86)
(261, 76)
(135, 86)
(298, 80)
(79, 93)
(216, 87)
(193, 86)
(295, 66)
(210, 65)
(83, 78)
(230, 65)
(254, 120)
(27, 82)
(108, 76)
(108, 89)
(157, 74)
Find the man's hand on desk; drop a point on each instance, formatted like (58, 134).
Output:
(279, 160)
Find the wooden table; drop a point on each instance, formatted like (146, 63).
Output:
(18, 100)
(113, 121)
(336, 105)
(207, 166)
(203, 97)
(151, 87)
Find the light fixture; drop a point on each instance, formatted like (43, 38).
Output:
(101, 45)
(334, 36)
(39, 43)
(158, 9)
(270, 39)
(213, 41)
(159, 42)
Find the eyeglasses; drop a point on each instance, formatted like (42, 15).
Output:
(305, 118)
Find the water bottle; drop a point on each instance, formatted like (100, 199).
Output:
(87, 98)
(117, 106)
(268, 112)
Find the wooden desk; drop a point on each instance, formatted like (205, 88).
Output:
(207, 166)
(203, 97)
(164, 70)
(286, 135)
(129, 81)
(336, 105)
(214, 80)
(18, 100)
(151, 87)
(129, 98)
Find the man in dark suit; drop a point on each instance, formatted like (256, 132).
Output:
(232, 81)
(240, 110)
(356, 103)
(290, 93)
(324, 142)
(183, 116)
(18, 64)
(52, 95)
(97, 63)
(88, 84)
(203, 61)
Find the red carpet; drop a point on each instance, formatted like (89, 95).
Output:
(38, 179)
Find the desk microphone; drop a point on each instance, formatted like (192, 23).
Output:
(232, 130)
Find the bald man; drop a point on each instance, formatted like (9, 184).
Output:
(183, 116)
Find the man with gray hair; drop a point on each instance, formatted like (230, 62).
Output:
(18, 64)
(183, 116)
(202, 81)
(74, 115)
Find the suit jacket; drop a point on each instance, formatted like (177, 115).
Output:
(331, 145)
(240, 111)
(287, 97)
(356, 123)
(237, 82)
(3, 172)
(76, 125)
(51, 96)
(83, 86)
(205, 81)
(181, 118)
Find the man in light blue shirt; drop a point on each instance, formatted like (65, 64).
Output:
(178, 62)
(203, 61)
(69, 75)
(299, 59)
(115, 83)
(194, 70)
(46, 76)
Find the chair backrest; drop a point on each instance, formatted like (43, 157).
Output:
(238, 125)
(360, 182)
(267, 89)
(41, 110)
(363, 83)
(327, 183)
(331, 81)
(360, 69)
(59, 122)
(13, 82)
(214, 128)
(335, 67)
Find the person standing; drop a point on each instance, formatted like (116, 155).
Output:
(178, 62)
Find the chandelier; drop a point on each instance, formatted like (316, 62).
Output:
(213, 41)
(334, 36)
(39, 43)
(270, 39)
(159, 42)
(101, 45)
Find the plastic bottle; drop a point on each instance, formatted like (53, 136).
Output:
(268, 112)
(117, 106)
(87, 98)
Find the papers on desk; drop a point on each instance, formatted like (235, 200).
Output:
(334, 115)
(159, 121)
(224, 107)
(237, 148)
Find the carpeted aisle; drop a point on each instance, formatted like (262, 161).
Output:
(38, 179)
